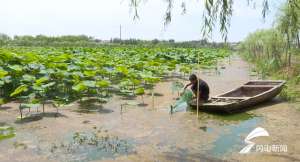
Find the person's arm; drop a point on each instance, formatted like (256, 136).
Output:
(185, 87)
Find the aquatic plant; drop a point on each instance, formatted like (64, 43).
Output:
(6, 132)
(37, 75)
(140, 92)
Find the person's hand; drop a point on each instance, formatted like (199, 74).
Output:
(185, 87)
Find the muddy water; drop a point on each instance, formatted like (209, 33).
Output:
(95, 132)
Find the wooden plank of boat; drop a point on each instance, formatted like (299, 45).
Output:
(245, 96)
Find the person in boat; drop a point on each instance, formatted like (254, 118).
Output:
(203, 88)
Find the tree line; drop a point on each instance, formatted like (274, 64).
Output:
(87, 41)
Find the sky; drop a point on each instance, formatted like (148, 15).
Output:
(102, 19)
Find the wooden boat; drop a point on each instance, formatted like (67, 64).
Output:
(245, 96)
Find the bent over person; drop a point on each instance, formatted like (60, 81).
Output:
(203, 88)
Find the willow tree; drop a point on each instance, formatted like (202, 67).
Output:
(288, 23)
(217, 13)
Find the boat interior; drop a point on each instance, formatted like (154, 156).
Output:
(246, 91)
(272, 83)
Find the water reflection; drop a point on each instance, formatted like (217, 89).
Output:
(230, 139)
(230, 129)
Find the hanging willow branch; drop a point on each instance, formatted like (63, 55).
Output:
(168, 15)
(217, 13)
(134, 5)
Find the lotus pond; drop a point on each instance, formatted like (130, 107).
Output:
(106, 110)
(63, 75)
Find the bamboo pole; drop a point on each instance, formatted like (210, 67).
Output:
(152, 94)
(197, 98)
(198, 86)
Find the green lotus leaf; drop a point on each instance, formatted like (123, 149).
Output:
(3, 73)
(28, 78)
(90, 73)
(89, 83)
(20, 89)
(79, 87)
(17, 68)
(139, 91)
(48, 85)
(41, 80)
(102, 83)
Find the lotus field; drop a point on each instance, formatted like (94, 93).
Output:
(62, 75)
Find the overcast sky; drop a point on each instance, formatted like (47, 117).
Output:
(102, 18)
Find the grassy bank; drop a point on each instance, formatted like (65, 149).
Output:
(275, 52)
(269, 69)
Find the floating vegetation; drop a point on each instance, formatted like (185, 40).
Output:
(227, 117)
(20, 145)
(6, 132)
(88, 146)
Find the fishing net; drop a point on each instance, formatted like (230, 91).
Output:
(181, 104)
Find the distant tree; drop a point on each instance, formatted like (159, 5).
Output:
(98, 40)
(42, 40)
(171, 41)
(4, 39)
(203, 41)
(116, 40)
(155, 41)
